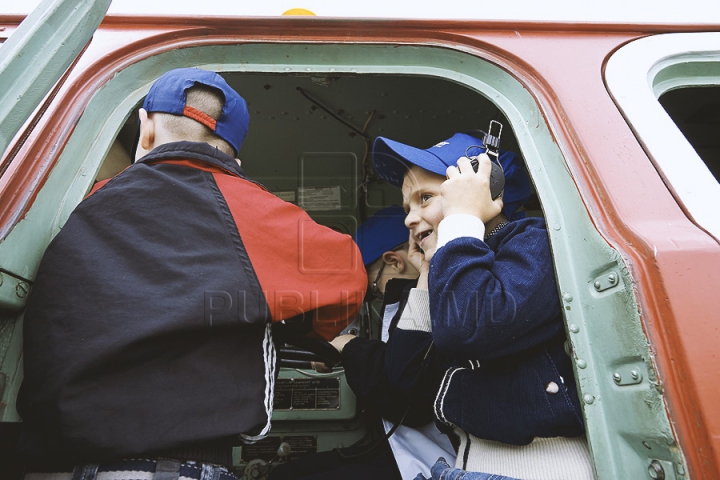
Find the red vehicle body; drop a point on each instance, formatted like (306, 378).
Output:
(668, 262)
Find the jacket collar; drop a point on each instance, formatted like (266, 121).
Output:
(193, 151)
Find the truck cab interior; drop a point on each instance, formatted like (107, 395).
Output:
(309, 142)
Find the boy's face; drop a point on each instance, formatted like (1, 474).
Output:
(422, 202)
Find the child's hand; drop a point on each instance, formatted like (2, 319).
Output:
(416, 255)
(468, 192)
(340, 342)
(421, 261)
(320, 367)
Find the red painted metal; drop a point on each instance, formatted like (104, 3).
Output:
(562, 66)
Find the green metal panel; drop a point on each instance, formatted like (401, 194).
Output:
(38, 53)
(627, 423)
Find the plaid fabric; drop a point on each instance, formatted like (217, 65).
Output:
(141, 469)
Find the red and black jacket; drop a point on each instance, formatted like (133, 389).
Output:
(148, 326)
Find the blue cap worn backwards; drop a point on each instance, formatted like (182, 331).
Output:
(392, 159)
(380, 233)
(168, 95)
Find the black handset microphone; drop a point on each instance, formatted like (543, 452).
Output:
(491, 142)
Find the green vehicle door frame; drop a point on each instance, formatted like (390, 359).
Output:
(627, 424)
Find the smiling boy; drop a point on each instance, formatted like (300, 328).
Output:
(487, 294)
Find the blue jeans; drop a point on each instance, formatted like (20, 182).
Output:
(442, 471)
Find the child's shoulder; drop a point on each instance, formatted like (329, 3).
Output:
(526, 233)
(527, 224)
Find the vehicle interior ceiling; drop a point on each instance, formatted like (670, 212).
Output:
(696, 112)
(316, 133)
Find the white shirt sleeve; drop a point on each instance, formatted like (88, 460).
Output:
(416, 314)
(459, 225)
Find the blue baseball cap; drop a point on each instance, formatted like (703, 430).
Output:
(168, 95)
(392, 159)
(382, 232)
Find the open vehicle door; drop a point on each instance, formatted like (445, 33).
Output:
(38, 53)
(34, 61)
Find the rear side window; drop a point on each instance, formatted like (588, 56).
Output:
(668, 88)
(696, 112)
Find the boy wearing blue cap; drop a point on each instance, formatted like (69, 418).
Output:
(487, 295)
(147, 334)
(415, 441)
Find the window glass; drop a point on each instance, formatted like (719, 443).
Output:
(696, 112)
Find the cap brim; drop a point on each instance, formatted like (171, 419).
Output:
(392, 159)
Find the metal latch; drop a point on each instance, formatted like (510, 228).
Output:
(627, 375)
(606, 281)
(13, 290)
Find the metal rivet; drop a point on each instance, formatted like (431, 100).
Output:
(598, 285)
(552, 388)
(634, 374)
(589, 399)
(22, 289)
(556, 226)
(612, 278)
(581, 363)
(574, 328)
(656, 470)
(617, 377)
(567, 297)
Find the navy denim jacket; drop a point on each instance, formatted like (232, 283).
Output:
(508, 382)
(495, 309)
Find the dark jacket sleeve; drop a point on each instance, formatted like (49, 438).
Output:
(364, 362)
(390, 378)
(496, 299)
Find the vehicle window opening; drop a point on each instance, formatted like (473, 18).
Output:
(696, 112)
(312, 135)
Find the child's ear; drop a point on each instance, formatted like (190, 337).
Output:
(394, 261)
(147, 130)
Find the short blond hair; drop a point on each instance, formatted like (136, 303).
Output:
(208, 100)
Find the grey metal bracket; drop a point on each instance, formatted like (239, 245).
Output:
(606, 281)
(627, 375)
(13, 291)
(664, 470)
